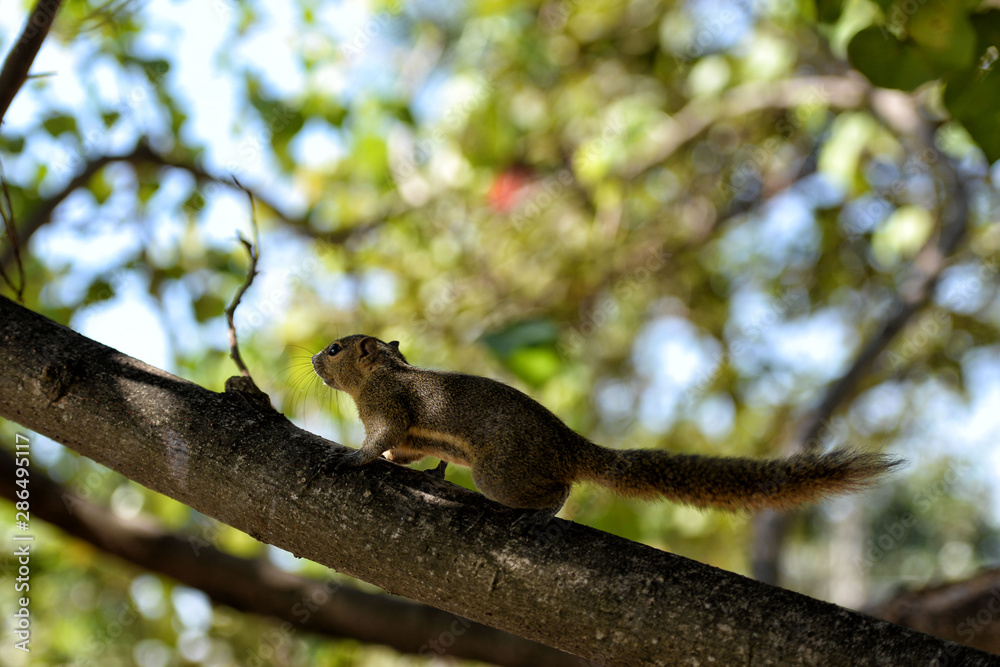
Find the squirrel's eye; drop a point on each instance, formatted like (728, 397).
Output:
(334, 349)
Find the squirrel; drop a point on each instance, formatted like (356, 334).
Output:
(523, 456)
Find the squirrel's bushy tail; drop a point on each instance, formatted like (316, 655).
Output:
(738, 484)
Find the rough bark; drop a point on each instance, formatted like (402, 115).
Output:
(609, 600)
(255, 586)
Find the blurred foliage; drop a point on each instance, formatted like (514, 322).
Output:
(913, 43)
(522, 197)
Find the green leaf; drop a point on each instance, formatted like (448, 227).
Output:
(156, 69)
(371, 158)
(323, 107)
(527, 349)
(535, 365)
(972, 95)
(99, 290)
(12, 144)
(59, 124)
(222, 261)
(334, 114)
(518, 335)
(987, 27)
(146, 190)
(889, 63)
(99, 187)
(159, 277)
(194, 203)
(401, 111)
(828, 11)
(284, 125)
(177, 118)
(973, 98)
(207, 307)
(944, 35)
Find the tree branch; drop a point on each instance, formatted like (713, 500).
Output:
(260, 588)
(914, 294)
(19, 60)
(838, 91)
(967, 611)
(574, 588)
(43, 211)
(141, 154)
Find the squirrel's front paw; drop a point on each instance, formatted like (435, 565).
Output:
(338, 462)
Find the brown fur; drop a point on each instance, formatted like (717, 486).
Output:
(522, 455)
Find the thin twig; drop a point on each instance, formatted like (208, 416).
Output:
(7, 212)
(19, 60)
(914, 294)
(253, 250)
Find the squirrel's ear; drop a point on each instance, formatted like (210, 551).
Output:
(369, 346)
(394, 343)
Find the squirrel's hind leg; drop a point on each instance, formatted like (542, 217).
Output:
(408, 456)
(403, 456)
(537, 493)
(438, 471)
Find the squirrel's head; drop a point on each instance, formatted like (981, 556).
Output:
(347, 362)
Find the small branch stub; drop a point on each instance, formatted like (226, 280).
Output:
(253, 250)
